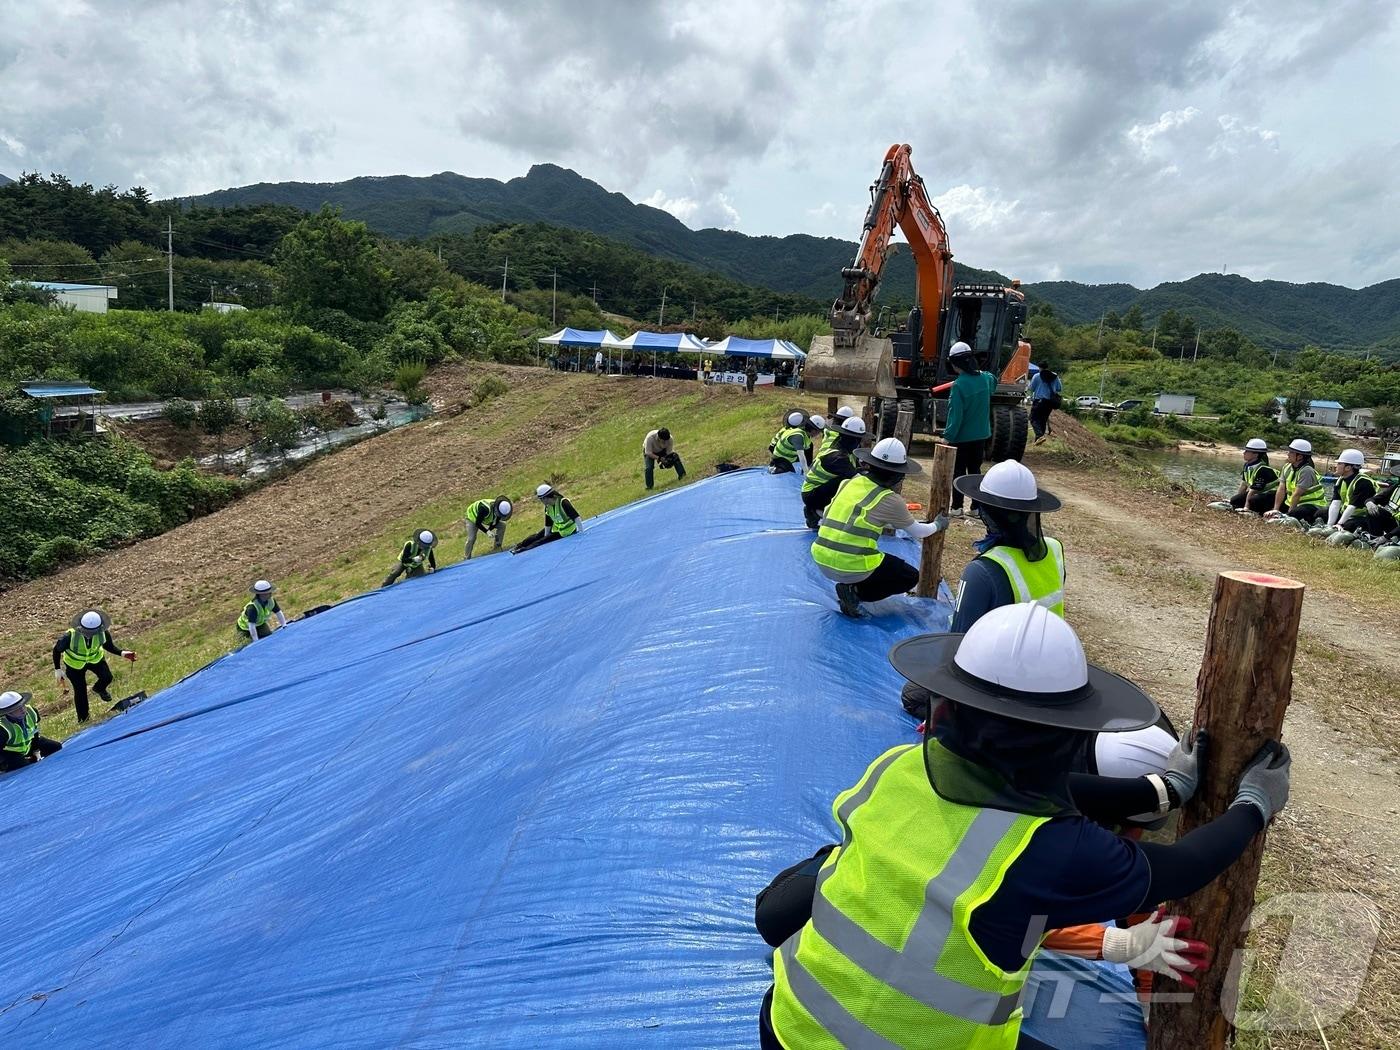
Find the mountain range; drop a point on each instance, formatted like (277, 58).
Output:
(1272, 313)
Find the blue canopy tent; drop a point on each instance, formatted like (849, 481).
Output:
(576, 339)
(452, 812)
(664, 342)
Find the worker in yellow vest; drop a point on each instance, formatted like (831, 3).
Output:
(846, 549)
(1016, 561)
(255, 621)
(560, 520)
(20, 742)
(1355, 488)
(79, 650)
(789, 446)
(417, 557)
(957, 854)
(1300, 492)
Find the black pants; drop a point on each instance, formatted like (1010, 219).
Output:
(263, 629)
(1258, 502)
(39, 747)
(814, 503)
(1040, 417)
(1309, 514)
(536, 539)
(892, 576)
(767, 1039)
(102, 678)
(778, 465)
(1382, 523)
(967, 461)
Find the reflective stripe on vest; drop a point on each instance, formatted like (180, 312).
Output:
(846, 540)
(1042, 582)
(819, 475)
(20, 735)
(261, 611)
(1394, 504)
(860, 975)
(1313, 497)
(1252, 471)
(829, 438)
(1345, 485)
(557, 519)
(82, 652)
(482, 520)
(782, 444)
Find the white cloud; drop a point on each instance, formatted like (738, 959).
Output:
(12, 144)
(1143, 135)
(974, 206)
(713, 211)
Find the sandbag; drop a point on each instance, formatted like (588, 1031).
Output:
(1390, 552)
(1220, 504)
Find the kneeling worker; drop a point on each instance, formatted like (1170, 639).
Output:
(1355, 488)
(1016, 561)
(485, 515)
(416, 558)
(560, 520)
(80, 650)
(788, 446)
(20, 742)
(835, 463)
(256, 618)
(1258, 480)
(974, 842)
(657, 447)
(846, 549)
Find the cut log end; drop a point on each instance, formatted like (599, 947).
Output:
(1263, 579)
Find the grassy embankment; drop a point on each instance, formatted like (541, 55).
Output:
(599, 467)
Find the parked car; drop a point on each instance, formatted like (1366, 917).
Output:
(1128, 405)
(1087, 401)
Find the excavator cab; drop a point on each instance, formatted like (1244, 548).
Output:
(988, 318)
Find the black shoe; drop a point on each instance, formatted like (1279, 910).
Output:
(850, 603)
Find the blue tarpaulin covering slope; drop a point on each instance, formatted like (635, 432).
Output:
(523, 802)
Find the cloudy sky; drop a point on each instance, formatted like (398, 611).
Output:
(1094, 140)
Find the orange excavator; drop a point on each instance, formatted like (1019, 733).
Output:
(905, 372)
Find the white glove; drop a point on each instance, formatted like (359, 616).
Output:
(1371, 507)
(1152, 945)
(60, 677)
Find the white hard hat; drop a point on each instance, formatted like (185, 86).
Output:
(1134, 754)
(1257, 445)
(503, 509)
(794, 419)
(543, 490)
(1026, 648)
(958, 349)
(1352, 457)
(1010, 479)
(1301, 445)
(426, 538)
(845, 412)
(853, 425)
(817, 421)
(91, 619)
(890, 455)
(262, 587)
(9, 698)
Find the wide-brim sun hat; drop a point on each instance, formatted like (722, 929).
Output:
(1010, 486)
(853, 425)
(261, 587)
(891, 455)
(1025, 663)
(77, 621)
(431, 541)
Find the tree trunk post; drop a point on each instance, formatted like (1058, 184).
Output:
(831, 407)
(940, 494)
(1242, 692)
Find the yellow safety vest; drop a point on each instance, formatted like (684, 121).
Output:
(557, 521)
(19, 736)
(261, 613)
(847, 541)
(1042, 582)
(1345, 485)
(887, 961)
(819, 475)
(83, 652)
(1252, 471)
(1313, 497)
(782, 444)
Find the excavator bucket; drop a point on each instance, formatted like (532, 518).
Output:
(863, 369)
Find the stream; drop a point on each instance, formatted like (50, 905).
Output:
(255, 464)
(1216, 475)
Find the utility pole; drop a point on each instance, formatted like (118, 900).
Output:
(1196, 352)
(211, 291)
(504, 273)
(661, 323)
(595, 293)
(170, 264)
(1103, 375)
(439, 253)
(554, 298)
(1154, 338)
(696, 302)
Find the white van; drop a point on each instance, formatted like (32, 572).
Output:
(1086, 401)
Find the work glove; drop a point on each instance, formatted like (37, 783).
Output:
(60, 678)
(1264, 783)
(1186, 764)
(127, 654)
(941, 523)
(1154, 945)
(1371, 507)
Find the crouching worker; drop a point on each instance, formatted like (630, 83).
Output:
(560, 520)
(416, 558)
(485, 515)
(80, 650)
(978, 840)
(659, 450)
(20, 742)
(1300, 493)
(846, 549)
(789, 446)
(255, 621)
(836, 461)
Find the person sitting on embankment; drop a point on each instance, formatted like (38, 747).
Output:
(1300, 492)
(1258, 479)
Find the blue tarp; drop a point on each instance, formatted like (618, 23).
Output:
(524, 802)
(46, 390)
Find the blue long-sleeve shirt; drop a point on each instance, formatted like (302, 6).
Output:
(1043, 391)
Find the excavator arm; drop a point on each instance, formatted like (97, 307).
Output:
(897, 198)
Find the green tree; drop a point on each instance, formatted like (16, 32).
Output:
(1387, 418)
(1296, 404)
(46, 260)
(1133, 318)
(326, 263)
(217, 416)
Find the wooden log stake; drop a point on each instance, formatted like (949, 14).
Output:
(831, 407)
(940, 495)
(1242, 693)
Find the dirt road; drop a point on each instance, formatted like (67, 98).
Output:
(1141, 572)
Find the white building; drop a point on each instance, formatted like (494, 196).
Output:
(224, 308)
(86, 298)
(1318, 413)
(1357, 418)
(1176, 404)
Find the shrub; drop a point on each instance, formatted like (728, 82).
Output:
(276, 427)
(180, 413)
(1140, 437)
(489, 387)
(408, 380)
(218, 415)
(50, 554)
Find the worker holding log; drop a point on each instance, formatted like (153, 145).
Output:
(487, 515)
(560, 520)
(20, 742)
(255, 621)
(975, 842)
(416, 558)
(81, 649)
(846, 549)
(1016, 561)
(836, 461)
